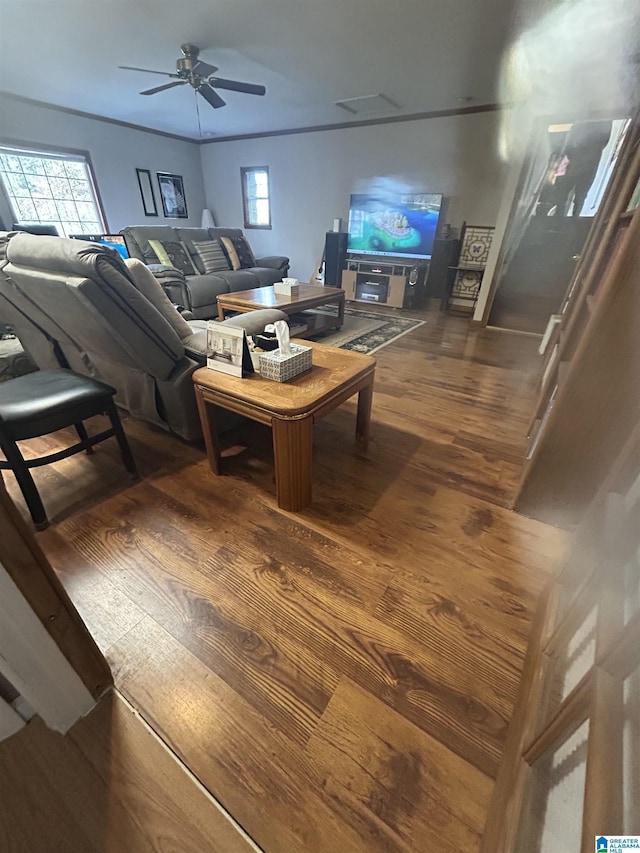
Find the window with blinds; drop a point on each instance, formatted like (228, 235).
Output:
(256, 199)
(47, 188)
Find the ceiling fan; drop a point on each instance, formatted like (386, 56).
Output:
(201, 76)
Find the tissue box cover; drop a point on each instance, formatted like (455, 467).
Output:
(274, 365)
(286, 289)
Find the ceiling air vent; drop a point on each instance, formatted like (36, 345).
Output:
(367, 104)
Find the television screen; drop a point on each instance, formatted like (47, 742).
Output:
(114, 241)
(46, 230)
(402, 225)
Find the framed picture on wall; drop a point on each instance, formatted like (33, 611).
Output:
(146, 191)
(174, 202)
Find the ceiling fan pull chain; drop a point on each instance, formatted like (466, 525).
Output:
(195, 95)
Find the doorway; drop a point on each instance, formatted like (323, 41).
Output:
(570, 166)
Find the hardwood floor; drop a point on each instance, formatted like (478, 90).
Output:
(110, 784)
(341, 677)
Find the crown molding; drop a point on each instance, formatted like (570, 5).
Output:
(292, 131)
(95, 117)
(345, 125)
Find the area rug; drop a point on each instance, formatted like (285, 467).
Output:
(365, 331)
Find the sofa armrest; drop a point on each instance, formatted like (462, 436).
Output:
(274, 262)
(165, 271)
(253, 322)
(174, 284)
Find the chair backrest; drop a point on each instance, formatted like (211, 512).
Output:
(85, 292)
(43, 341)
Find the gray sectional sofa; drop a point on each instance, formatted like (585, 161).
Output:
(200, 292)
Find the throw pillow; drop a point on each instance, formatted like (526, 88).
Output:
(160, 253)
(212, 255)
(173, 254)
(230, 249)
(243, 251)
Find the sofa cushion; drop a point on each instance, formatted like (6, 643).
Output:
(239, 280)
(218, 231)
(206, 288)
(151, 288)
(265, 275)
(212, 255)
(173, 253)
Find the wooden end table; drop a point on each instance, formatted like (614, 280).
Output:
(290, 409)
(308, 296)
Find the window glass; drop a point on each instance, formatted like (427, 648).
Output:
(256, 197)
(50, 189)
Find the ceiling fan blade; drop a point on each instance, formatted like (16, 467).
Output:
(204, 69)
(210, 96)
(237, 86)
(163, 87)
(147, 70)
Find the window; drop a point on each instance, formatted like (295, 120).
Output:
(51, 189)
(255, 197)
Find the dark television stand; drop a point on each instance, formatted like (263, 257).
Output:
(376, 282)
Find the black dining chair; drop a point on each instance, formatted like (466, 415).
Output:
(43, 402)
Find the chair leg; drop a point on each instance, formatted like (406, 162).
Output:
(125, 450)
(25, 481)
(83, 436)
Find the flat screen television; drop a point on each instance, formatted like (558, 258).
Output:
(402, 225)
(46, 230)
(114, 241)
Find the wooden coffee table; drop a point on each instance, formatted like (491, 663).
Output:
(308, 296)
(290, 409)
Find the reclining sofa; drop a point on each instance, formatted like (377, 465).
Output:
(199, 291)
(79, 305)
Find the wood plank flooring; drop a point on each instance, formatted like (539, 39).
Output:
(109, 785)
(341, 677)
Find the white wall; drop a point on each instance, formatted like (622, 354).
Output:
(115, 152)
(313, 174)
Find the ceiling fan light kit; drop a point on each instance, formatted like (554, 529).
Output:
(200, 76)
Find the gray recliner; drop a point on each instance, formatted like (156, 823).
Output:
(79, 305)
(201, 290)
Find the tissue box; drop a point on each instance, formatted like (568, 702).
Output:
(289, 287)
(280, 368)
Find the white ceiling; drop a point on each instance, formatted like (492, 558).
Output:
(422, 54)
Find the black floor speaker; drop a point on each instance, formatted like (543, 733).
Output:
(445, 255)
(415, 288)
(335, 257)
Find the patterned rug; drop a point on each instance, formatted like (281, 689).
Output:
(365, 331)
